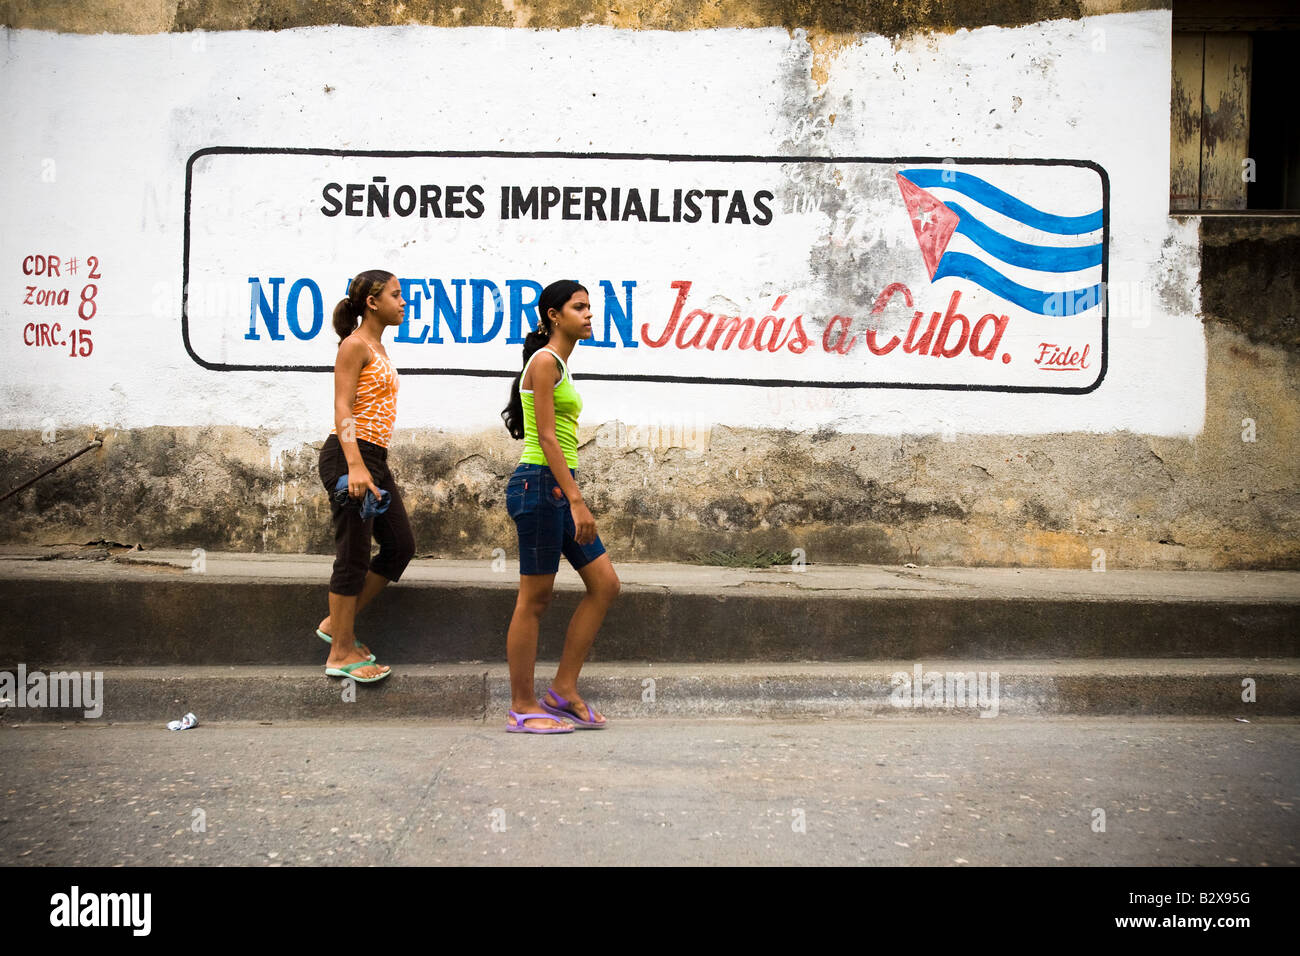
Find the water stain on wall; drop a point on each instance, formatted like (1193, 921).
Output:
(1250, 278)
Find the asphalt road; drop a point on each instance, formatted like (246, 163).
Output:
(931, 791)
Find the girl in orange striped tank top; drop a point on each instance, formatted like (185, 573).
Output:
(365, 409)
(374, 410)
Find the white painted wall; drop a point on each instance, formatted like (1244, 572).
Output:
(102, 128)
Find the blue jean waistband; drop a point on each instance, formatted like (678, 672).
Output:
(528, 468)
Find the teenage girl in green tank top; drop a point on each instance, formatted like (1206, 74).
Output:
(552, 518)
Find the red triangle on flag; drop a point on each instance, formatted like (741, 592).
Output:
(932, 221)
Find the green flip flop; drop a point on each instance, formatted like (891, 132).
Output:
(329, 640)
(347, 669)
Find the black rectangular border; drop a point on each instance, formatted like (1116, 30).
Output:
(661, 157)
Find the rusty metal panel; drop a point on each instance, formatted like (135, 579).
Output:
(1225, 121)
(1185, 121)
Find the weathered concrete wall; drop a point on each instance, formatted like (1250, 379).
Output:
(1213, 501)
(844, 16)
(1203, 474)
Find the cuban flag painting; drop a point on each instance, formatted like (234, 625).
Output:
(1044, 262)
(1030, 239)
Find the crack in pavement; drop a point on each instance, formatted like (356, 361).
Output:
(424, 801)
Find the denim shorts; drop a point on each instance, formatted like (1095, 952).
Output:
(544, 520)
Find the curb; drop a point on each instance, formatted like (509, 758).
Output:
(653, 691)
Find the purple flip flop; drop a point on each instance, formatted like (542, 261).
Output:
(519, 728)
(566, 711)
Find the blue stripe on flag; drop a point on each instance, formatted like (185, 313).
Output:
(963, 266)
(1003, 202)
(1022, 254)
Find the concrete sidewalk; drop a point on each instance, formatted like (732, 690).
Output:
(152, 608)
(882, 582)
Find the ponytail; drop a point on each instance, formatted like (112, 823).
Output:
(351, 308)
(513, 414)
(554, 296)
(345, 318)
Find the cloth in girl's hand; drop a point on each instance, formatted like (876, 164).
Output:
(369, 504)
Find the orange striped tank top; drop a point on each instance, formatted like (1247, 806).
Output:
(375, 407)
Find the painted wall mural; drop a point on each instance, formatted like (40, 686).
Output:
(962, 232)
(837, 273)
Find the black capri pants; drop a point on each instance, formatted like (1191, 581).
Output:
(392, 529)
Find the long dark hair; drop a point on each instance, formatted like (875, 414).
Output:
(554, 296)
(348, 313)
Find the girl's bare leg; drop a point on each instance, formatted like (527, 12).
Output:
(343, 611)
(535, 593)
(602, 588)
(374, 583)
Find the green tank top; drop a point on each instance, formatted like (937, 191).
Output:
(568, 404)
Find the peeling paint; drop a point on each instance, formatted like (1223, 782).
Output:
(1178, 269)
(826, 47)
